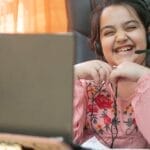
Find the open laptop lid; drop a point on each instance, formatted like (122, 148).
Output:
(36, 72)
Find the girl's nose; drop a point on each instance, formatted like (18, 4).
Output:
(121, 36)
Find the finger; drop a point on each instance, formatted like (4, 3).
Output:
(108, 67)
(108, 70)
(107, 73)
(95, 75)
(102, 74)
(114, 76)
(104, 71)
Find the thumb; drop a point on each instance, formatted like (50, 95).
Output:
(114, 76)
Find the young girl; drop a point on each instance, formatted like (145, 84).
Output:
(112, 97)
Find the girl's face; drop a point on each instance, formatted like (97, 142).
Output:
(121, 33)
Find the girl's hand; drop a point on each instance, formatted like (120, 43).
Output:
(93, 70)
(128, 70)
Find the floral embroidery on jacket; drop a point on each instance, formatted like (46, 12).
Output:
(130, 121)
(100, 111)
(103, 102)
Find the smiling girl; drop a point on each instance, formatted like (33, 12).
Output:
(112, 97)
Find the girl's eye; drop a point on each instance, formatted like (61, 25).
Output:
(108, 33)
(131, 28)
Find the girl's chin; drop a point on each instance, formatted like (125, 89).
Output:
(120, 59)
(115, 60)
(124, 60)
(130, 57)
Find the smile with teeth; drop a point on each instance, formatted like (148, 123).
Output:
(123, 49)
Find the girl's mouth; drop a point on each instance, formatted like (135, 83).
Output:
(124, 50)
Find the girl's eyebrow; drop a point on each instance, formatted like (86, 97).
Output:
(125, 23)
(131, 21)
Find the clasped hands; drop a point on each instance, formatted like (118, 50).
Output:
(99, 71)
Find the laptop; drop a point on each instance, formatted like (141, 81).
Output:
(36, 72)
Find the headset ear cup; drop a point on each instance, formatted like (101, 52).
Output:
(98, 49)
(148, 40)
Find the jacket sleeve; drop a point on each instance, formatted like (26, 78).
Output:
(79, 115)
(141, 106)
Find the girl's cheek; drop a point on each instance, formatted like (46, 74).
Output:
(107, 44)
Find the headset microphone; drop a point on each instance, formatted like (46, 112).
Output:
(142, 51)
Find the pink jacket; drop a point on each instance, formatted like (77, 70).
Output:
(94, 111)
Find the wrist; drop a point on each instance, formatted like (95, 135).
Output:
(76, 72)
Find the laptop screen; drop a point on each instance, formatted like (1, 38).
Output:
(36, 72)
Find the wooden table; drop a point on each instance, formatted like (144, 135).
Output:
(33, 142)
